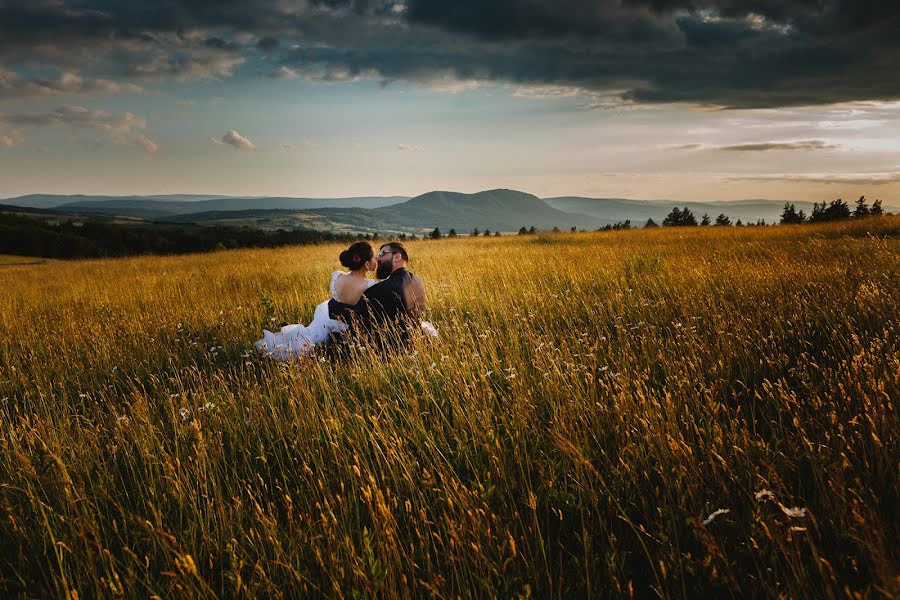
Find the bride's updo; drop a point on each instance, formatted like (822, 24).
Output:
(357, 255)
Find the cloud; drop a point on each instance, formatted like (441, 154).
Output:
(121, 128)
(289, 147)
(234, 139)
(148, 145)
(409, 148)
(14, 138)
(13, 85)
(754, 147)
(869, 179)
(768, 146)
(718, 53)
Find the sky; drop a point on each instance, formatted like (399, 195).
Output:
(679, 99)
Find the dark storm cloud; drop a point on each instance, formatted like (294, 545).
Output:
(734, 53)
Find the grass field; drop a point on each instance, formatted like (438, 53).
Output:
(659, 413)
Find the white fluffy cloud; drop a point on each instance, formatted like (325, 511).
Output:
(234, 139)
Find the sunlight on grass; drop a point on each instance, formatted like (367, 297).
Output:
(664, 412)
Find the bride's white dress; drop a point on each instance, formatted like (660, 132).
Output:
(294, 341)
(298, 340)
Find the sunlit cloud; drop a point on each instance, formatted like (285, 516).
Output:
(121, 128)
(234, 139)
(13, 85)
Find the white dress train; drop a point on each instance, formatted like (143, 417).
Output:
(297, 340)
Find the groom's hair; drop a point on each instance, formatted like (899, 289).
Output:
(398, 248)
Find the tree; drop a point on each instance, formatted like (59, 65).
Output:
(705, 220)
(789, 215)
(574, 229)
(487, 232)
(452, 233)
(496, 234)
(738, 223)
(862, 209)
(556, 230)
(436, 234)
(475, 232)
(412, 236)
(650, 223)
(532, 230)
(402, 236)
(523, 231)
(722, 220)
(876, 209)
(680, 218)
(835, 211)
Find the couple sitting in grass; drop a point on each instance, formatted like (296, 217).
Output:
(386, 310)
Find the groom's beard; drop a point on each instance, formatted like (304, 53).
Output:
(384, 270)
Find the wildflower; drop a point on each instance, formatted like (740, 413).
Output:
(185, 413)
(208, 406)
(795, 512)
(714, 514)
(764, 494)
(489, 373)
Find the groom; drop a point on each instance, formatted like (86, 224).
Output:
(389, 308)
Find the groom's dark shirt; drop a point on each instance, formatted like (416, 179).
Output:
(388, 307)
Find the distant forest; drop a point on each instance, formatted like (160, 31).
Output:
(31, 236)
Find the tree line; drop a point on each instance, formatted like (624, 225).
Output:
(836, 210)
(31, 236)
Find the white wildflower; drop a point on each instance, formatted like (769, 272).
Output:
(185, 413)
(764, 494)
(714, 514)
(208, 406)
(795, 512)
(489, 373)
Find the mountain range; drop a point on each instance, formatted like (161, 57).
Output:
(497, 210)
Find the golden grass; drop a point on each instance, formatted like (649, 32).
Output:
(593, 398)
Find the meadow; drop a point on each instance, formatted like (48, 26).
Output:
(678, 412)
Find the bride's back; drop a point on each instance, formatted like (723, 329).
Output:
(347, 289)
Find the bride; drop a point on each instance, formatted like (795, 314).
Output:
(346, 288)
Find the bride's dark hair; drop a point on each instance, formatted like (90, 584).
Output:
(357, 255)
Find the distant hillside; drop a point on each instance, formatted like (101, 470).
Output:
(497, 210)
(640, 210)
(503, 210)
(181, 204)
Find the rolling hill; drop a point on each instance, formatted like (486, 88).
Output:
(497, 210)
(151, 207)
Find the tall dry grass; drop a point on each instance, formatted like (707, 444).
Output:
(593, 402)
